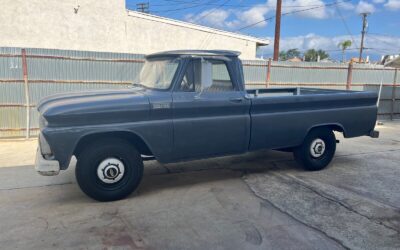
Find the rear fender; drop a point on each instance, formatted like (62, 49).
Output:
(333, 126)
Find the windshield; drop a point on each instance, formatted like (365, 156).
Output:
(158, 73)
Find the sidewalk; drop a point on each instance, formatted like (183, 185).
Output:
(17, 152)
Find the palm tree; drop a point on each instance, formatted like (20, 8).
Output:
(343, 46)
(312, 55)
(289, 54)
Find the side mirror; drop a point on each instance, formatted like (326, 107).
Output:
(206, 75)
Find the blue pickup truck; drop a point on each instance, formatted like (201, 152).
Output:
(191, 105)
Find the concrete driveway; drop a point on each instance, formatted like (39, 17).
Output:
(256, 201)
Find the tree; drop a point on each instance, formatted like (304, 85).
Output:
(291, 53)
(311, 55)
(343, 46)
(282, 55)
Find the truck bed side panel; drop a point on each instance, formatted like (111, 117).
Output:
(281, 122)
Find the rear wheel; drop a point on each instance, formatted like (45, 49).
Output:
(109, 169)
(317, 149)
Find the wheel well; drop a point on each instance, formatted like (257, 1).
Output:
(130, 137)
(334, 127)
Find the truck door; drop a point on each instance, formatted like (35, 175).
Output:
(214, 121)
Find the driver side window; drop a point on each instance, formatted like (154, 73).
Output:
(221, 80)
(190, 81)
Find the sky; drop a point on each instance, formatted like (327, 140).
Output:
(306, 24)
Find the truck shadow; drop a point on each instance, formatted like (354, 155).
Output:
(185, 174)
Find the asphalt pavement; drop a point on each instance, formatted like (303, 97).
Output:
(260, 200)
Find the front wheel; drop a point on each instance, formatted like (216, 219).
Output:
(109, 169)
(317, 149)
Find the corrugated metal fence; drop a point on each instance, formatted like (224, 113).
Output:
(47, 72)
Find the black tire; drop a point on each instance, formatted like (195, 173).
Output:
(321, 158)
(97, 152)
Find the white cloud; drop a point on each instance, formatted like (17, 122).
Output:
(378, 1)
(346, 6)
(212, 17)
(233, 18)
(378, 44)
(318, 13)
(254, 15)
(364, 7)
(393, 5)
(309, 41)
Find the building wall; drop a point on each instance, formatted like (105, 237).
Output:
(102, 25)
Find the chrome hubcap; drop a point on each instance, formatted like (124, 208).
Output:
(317, 148)
(111, 170)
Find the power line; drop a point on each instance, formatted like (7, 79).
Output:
(181, 1)
(346, 26)
(380, 34)
(383, 41)
(204, 9)
(341, 49)
(234, 5)
(224, 4)
(384, 50)
(176, 2)
(378, 39)
(198, 3)
(213, 10)
(244, 6)
(241, 5)
(293, 12)
(326, 50)
(184, 8)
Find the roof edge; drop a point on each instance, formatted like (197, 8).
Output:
(262, 42)
(230, 53)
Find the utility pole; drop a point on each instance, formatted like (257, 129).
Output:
(143, 7)
(277, 29)
(364, 26)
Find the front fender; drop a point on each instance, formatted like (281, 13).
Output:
(62, 144)
(157, 136)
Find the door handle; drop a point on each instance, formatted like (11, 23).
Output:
(236, 100)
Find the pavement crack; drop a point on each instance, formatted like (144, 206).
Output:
(39, 186)
(328, 197)
(294, 218)
(367, 153)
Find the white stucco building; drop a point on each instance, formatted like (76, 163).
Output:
(106, 25)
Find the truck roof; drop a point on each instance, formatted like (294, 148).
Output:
(195, 53)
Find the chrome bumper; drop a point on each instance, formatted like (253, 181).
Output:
(46, 167)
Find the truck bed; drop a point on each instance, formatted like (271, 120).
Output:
(282, 117)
